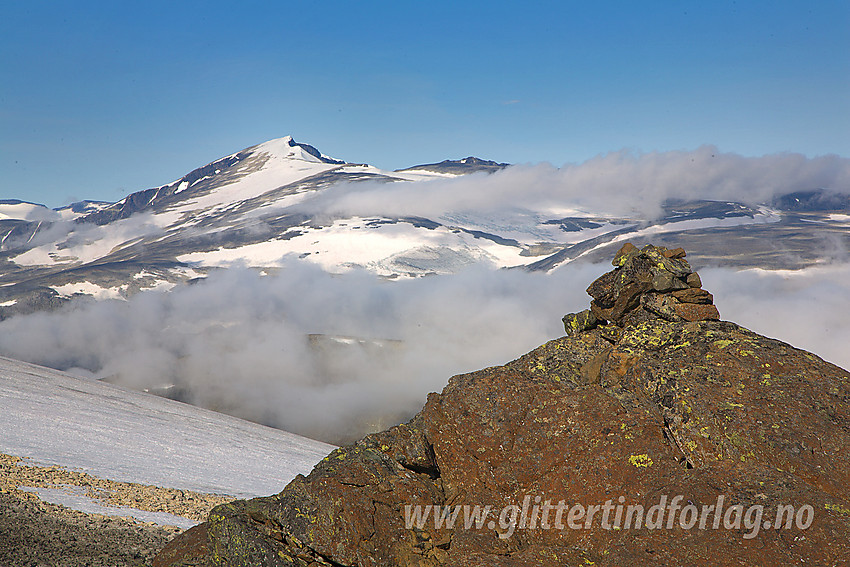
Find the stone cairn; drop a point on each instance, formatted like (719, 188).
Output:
(647, 283)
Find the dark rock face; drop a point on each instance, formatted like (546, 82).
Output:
(817, 200)
(314, 152)
(460, 166)
(664, 404)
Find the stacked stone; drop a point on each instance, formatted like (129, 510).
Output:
(647, 283)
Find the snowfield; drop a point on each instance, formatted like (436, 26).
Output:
(111, 432)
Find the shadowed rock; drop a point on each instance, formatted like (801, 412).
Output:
(658, 403)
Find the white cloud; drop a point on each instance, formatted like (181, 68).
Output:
(237, 342)
(620, 183)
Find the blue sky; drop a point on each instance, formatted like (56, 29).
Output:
(100, 99)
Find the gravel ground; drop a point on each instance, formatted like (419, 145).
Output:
(35, 533)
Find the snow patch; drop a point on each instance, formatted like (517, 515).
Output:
(75, 497)
(88, 288)
(119, 434)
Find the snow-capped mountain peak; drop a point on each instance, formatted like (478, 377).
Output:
(288, 148)
(225, 182)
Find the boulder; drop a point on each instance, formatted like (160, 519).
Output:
(693, 280)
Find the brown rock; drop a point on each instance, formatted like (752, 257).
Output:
(693, 295)
(676, 253)
(696, 312)
(601, 313)
(693, 280)
(189, 550)
(628, 249)
(628, 299)
(605, 288)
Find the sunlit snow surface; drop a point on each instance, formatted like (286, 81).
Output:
(21, 210)
(114, 433)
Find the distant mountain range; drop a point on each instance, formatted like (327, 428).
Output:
(247, 208)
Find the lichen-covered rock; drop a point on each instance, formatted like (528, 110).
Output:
(635, 413)
(579, 322)
(662, 305)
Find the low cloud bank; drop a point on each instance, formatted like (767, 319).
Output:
(619, 183)
(806, 308)
(238, 341)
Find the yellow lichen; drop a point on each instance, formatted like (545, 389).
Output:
(837, 508)
(639, 461)
(648, 335)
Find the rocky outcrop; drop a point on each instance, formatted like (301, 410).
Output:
(460, 166)
(649, 404)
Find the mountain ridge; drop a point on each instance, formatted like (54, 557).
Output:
(253, 207)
